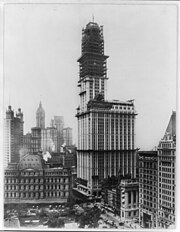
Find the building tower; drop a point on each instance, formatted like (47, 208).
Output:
(167, 172)
(13, 136)
(40, 117)
(49, 139)
(67, 136)
(35, 139)
(58, 122)
(105, 128)
(27, 140)
(92, 65)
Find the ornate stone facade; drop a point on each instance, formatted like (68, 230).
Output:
(32, 180)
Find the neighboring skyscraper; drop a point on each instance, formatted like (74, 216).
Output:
(58, 122)
(13, 136)
(167, 172)
(49, 139)
(36, 139)
(67, 136)
(105, 129)
(148, 189)
(40, 117)
(27, 143)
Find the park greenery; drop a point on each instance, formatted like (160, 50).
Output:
(86, 216)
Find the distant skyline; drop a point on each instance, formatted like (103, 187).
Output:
(42, 43)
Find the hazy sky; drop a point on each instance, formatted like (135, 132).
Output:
(42, 43)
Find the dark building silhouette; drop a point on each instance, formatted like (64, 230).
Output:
(13, 136)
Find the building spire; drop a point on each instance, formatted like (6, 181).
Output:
(93, 18)
(40, 117)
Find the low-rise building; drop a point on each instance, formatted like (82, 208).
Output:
(33, 181)
(122, 197)
(129, 199)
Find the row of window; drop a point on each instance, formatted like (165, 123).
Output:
(166, 145)
(167, 198)
(131, 214)
(151, 193)
(36, 195)
(163, 180)
(167, 204)
(167, 169)
(37, 180)
(143, 176)
(124, 108)
(150, 187)
(166, 164)
(166, 186)
(166, 175)
(150, 198)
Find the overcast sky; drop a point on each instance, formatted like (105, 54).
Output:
(42, 43)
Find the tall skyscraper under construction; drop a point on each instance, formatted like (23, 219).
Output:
(105, 128)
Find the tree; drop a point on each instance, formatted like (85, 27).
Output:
(55, 221)
(90, 217)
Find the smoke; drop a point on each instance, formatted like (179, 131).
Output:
(62, 147)
(46, 155)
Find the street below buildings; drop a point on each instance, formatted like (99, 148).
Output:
(87, 215)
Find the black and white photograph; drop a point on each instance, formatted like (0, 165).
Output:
(89, 103)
